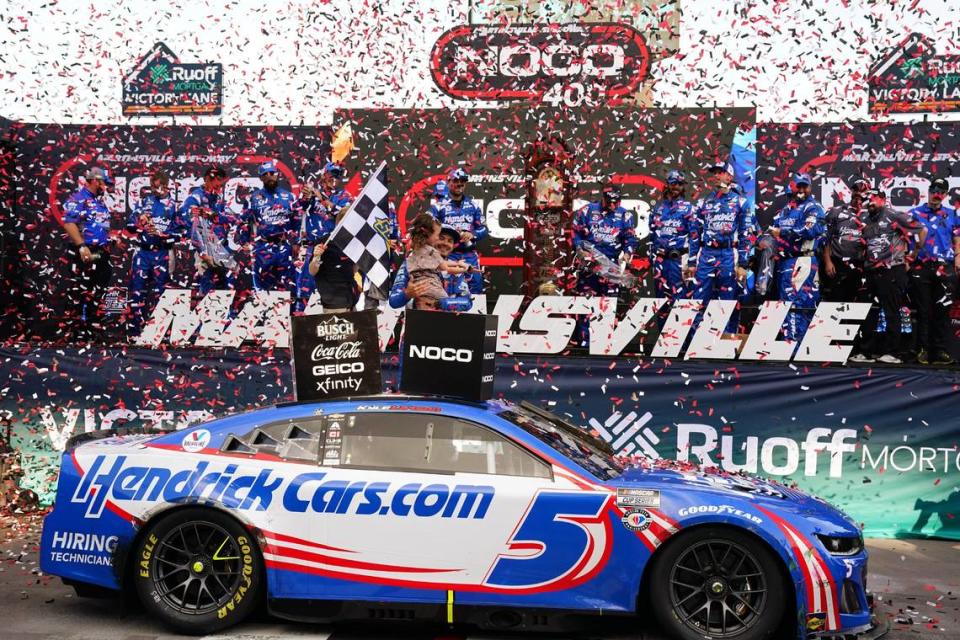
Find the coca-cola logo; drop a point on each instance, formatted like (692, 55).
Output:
(342, 351)
(559, 63)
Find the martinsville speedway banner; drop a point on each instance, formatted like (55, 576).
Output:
(879, 443)
(51, 159)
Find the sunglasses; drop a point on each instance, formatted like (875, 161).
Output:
(938, 191)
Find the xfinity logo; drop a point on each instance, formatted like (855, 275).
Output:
(445, 354)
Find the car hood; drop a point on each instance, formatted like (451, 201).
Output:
(667, 475)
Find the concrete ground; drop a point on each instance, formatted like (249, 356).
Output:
(918, 583)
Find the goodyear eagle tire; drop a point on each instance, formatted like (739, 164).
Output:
(715, 583)
(198, 571)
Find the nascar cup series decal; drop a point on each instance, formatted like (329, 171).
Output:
(196, 441)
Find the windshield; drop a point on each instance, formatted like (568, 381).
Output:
(588, 451)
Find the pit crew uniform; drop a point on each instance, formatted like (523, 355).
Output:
(933, 278)
(276, 217)
(464, 215)
(91, 215)
(611, 233)
(150, 268)
(216, 244)
(802, 231)
(722, 237)
(316, 225)
(886, 236)
(845, 237)
(670, 225)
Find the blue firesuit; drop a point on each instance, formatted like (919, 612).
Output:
(150, 268)
(611, 233)
(802, 229)
(670, 224)
(722, 237)
(456, 285)
(464, 215)
(317, 223)
(220, 276)
(274, 218)
(90, 280)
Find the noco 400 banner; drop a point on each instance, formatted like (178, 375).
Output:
(881, 444)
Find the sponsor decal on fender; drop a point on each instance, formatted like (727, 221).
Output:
(83, 548)
(638, 498)
(720, 509)
(636, 519)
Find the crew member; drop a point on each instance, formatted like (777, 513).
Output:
(670, 223)
(210, 232)
(86, 220)
(610, 230)
(721, 240)
(458, 291)
(461, 212)
(886, 234)
(272, 217)
(843, 253)
(320, 211)
(337, 281)
(798, 229)
(933, 276)
(157, 227)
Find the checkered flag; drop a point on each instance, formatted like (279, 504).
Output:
(362, 233)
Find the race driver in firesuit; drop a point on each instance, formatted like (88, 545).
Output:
(799, 230)
(86, 220)
(670, 223)
(156, 226)
(462, 213)
(272, 217)
(721, 240)
(319, 218)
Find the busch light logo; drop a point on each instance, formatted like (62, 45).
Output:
(335, 328)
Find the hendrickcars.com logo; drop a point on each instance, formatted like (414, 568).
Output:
(558, 63)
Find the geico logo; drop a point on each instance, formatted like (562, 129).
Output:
(339, 368)
(446, 354)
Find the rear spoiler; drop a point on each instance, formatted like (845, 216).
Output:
(100, 434)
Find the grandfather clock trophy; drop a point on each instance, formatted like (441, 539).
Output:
(547, 253)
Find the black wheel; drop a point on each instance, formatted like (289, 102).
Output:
(718, 583)
(198, 571)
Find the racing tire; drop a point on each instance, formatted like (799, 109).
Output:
(718, 583)
(198, 571)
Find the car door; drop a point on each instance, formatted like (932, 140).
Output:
(420, 503)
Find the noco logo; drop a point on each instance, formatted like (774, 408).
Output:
(446, 354)
(567, 63)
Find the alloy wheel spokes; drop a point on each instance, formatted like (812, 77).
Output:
(197, 567)
(730, 583)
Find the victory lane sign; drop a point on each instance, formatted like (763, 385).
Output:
(335, 355)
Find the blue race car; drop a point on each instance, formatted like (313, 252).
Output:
(495, 514)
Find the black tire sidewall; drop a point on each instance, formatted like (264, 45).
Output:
(243, 600)
(659, 588)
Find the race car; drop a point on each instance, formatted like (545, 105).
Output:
(493, 514)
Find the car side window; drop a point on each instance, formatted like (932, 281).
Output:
(430, 443)
(295, 440)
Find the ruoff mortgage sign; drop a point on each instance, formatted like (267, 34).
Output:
(911, 78)
(162, 85)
